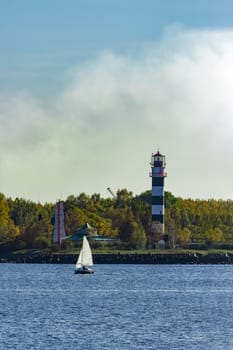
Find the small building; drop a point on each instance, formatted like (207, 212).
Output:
(86, 230)
(91, 233)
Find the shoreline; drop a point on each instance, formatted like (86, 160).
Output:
(119, 258)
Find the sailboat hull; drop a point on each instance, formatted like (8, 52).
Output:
(83, 272)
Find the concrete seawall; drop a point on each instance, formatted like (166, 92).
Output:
(119, 258)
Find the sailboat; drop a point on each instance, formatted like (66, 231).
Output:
(85, 261)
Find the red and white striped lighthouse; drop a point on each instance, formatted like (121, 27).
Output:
(59, 228)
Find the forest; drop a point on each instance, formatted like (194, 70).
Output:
(188, 222)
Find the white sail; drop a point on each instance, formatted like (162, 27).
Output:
(79, 261)
(85, 255)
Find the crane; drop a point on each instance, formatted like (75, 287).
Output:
(110, 191)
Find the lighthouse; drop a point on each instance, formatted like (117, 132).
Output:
(158, 174)
(59, 229)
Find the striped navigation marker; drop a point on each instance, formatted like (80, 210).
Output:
(59, 229)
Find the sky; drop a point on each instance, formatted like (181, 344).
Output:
(89, 89)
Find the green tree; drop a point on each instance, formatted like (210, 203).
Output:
(170, 228)
(24, 213)
(41, 242)
(124, 198)
(213, 235)
(183, 235)
(8, 230)
(137, 237)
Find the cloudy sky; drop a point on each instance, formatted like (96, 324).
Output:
(90, 88)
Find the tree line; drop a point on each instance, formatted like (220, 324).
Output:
(188, 222)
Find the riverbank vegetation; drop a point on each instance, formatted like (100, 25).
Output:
(189, 223)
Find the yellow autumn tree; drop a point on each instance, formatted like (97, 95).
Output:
(8, 230)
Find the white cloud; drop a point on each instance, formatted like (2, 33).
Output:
(115, 110)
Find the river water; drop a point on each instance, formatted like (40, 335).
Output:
(118, 307)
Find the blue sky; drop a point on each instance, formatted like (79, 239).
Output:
(42, 39)
(90, 88)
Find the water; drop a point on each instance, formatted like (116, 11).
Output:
(119, 307)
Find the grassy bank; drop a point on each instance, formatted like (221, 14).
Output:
(125, 252)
